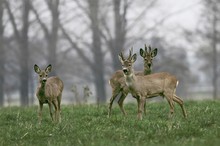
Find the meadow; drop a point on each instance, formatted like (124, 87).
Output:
(88, 125)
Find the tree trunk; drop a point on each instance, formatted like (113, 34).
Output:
(24, 56)
(214, 46)
(2, 56)
(98, 67)
(119, 41)
(52, 40)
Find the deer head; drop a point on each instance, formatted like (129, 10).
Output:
(148, 56)
(43, 74)
(127, 63)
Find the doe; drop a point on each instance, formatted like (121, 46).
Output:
(49, 91)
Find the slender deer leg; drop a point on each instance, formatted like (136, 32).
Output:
(51, 110)
(121, 100)
(145, 111)
(115, 93)
(171, 108)
(141, 101)
(59, 108)
(169, 98)
(55, 103)
(180, 102)
(40, 112)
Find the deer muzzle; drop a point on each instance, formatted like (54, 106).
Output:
(44, 80)
(125, 70)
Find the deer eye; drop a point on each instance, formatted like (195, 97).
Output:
(40, 75)
(46, 75)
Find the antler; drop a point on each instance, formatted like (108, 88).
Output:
(121, 55)
(130, 53)
(147, 49)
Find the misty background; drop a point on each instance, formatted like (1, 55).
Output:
(82, 40)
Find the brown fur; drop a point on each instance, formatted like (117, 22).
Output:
(152, 85)
(49, 91)
(117, 80)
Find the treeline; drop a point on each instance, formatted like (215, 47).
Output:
(82, 40)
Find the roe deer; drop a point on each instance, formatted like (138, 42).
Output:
(142, 87)
(117, 81)
(49, 91)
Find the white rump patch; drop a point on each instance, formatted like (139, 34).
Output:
(177, 83)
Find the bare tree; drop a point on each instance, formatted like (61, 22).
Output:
(96, 64)
(2, 55)
(50, 35)
(120, 30)
(22, 39)
(117, 39)
(211, 32)
(98, 70)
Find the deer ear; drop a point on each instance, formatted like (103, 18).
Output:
(154, 52)
(142, 53)
(134, 58)
(48, 69)
(37, 69)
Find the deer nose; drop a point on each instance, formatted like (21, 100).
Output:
(125, 70)
(149, 64)
(44, 80)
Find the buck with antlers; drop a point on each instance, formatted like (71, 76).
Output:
(49, 91)
(117, 80)
(142, 87)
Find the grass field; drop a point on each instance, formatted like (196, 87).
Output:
(88, 125)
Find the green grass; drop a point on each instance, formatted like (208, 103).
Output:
(89, 126)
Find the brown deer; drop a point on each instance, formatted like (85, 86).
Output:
(117, 81)
(49, 91)
(142, 87)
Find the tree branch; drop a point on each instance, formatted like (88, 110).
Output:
(46, 32)
(140, 16)
(76, 47)
(12, 19)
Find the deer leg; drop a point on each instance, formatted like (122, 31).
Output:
(115, 92)
(55, 103)
(141, 101)
(40, 112)
(171, 108)
(121, 100)
(170, 101)
(59, 108)
(145, 111)
(51, 110)
(180, 102)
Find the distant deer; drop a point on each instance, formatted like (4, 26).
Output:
(117, 81)
(142, 87)
(49, 91)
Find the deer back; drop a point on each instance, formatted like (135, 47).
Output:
(154, 84)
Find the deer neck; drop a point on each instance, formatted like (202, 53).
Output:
(147, 70)
(41, 89)
(130, 80)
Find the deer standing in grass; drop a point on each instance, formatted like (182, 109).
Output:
(117, 80)
(49, 91)
(142, 87)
